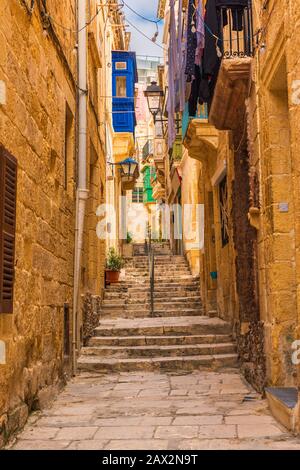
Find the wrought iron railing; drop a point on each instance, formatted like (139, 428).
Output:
(237, 31)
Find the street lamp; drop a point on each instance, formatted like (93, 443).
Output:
(155, 99)
(129, 168)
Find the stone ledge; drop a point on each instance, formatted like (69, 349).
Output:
(201, 140)
(230, 92)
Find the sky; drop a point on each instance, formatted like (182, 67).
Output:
(139, 44)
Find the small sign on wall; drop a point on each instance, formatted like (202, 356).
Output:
(296, 92)
(283, 207)
(2, 92)
(2, 353)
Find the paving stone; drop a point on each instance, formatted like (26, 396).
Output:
(153, 444)
(39, 433)
(249, 419)
(178, 393)
(88, 445)
(197, 420)
(125, 432)
(76, 434)
(69, 421)
(180, 432)
(36, 444)
(218, 431)
(197, 410)
(118, 421)
(72, 410)
(156, 420)
(253, 430)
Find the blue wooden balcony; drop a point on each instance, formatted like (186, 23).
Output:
(124, 76)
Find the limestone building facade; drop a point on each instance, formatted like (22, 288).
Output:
(241, 162)
(39, 174)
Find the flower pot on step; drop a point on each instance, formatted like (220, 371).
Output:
(111, 277)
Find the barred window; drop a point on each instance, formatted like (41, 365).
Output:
(137, 195)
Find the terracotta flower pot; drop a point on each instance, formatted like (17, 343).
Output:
(112, 276)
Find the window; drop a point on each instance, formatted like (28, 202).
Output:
(224, 211)
(138, 195)
(8, 190)
(121, 66)
(121, 87)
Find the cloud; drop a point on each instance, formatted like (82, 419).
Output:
(139, 44)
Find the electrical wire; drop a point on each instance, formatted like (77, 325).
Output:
(75, 31)
(141, 16)
(145, 36)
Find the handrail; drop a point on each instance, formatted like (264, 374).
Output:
(151, 264)
(152, 274)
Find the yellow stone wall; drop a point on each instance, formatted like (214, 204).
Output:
(39, 71)
(274, 114)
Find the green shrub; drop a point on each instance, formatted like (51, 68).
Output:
(129, 238)
(114, 261)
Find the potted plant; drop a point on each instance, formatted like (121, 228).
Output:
(127, 247)
(114, 264)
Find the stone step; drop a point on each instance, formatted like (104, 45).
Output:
(171, 282)
(122, 352)
(142, 296)
(160, 272)
(159, 261)
(158, 340)
(172, 290)
(186, 363)
(200, 325)
(188, 281)
(145, 313)
(166, 301)
(165, 305)
(158, 306)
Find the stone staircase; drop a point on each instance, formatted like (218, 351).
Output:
(178, 337)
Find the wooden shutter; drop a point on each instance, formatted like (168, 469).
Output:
(8, 190)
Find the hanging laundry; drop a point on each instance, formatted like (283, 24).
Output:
(172, 74)
(191, 42)
(181, 51)
(200, 33)
(211, 59)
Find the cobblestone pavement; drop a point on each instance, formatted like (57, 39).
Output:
(151, 411)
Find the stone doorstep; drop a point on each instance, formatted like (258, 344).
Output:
(152, 351)
(160, 340)
(284, 405)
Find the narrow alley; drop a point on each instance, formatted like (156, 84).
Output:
(149, 226)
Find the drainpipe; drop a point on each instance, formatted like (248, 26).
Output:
(82, 192)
